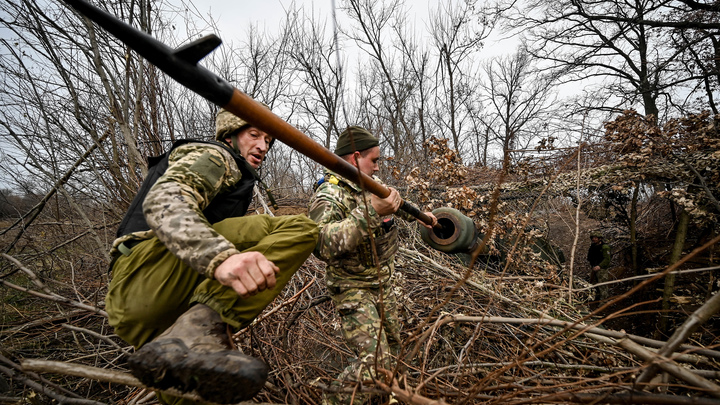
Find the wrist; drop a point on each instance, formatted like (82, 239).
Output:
(217, 261)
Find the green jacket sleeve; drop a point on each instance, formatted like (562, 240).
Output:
(607, 257)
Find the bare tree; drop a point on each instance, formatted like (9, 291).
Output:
(458, 33)
(609, 42)
(392, 84)
(519, 98)
(313, 52)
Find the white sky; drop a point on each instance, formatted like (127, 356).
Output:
(234, 15)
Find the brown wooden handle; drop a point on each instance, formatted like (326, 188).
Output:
(415, 211)
(259, 116)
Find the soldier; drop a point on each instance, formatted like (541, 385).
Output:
(355, 281)
(599, 258)
(189, 268)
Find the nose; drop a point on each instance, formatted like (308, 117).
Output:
(262, 146)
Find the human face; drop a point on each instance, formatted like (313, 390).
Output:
(367, 160)
(595, 240)
(253, 144)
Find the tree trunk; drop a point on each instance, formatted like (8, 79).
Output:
(633, 230)
(680, 237)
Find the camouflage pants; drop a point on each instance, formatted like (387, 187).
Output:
(367, 333)
(601, 276)
(151, 287)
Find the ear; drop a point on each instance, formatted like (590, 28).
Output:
(353, 158)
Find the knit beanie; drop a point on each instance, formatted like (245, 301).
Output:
(226, 123)
(361, 138)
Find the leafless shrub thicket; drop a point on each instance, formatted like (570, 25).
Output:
(80, 113)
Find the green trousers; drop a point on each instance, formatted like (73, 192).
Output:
(151, 287)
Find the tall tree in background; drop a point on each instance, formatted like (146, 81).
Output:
(458, 33)
(699, 58)
(519, 98)
(388, 85)
(608, 41)
(314, 53)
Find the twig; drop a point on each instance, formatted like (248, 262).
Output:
(287, 302)
(703, 184)
(47, 391)
(644, 276)
(406, 395)
(573, 325)
(35, 280)
(55, 298)
(664, 363)
(99, 374)
(38, 322)
(104, 338)
(630, 398)
(694, 321)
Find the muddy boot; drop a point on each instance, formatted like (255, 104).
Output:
(195, 354)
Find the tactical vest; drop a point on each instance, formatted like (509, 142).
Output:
(232, 203)
(385, 237)
(595, 254)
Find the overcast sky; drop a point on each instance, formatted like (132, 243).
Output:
(232, 15)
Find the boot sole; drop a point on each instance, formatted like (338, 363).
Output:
(224, 377)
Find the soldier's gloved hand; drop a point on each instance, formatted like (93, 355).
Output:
(388, 205)
(247, 273)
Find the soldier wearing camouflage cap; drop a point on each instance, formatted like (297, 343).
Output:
(188, 266)
(356, 279)
(599, 257)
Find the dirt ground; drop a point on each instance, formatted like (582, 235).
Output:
(290, 210)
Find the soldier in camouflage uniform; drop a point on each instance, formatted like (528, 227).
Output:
(189, 268)
(599, 257)
(357, 281)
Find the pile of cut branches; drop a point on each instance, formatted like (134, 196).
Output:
(470, 336)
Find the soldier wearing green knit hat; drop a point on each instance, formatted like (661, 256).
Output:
(358, 277)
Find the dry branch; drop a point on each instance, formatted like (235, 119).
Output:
(666, 364)
(99, 374)
(681, 334)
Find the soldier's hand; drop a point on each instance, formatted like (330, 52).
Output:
(432, 217)
(388, 205)
(247, 273)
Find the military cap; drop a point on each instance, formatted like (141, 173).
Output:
(596, 234)
(361, 138)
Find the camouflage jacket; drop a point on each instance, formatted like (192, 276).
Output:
(344, 242)
(173, 207)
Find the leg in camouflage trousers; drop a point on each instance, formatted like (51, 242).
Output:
(361, 324)
(602, 292)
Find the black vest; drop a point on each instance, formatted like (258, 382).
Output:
(232, 203)
(595, 254)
